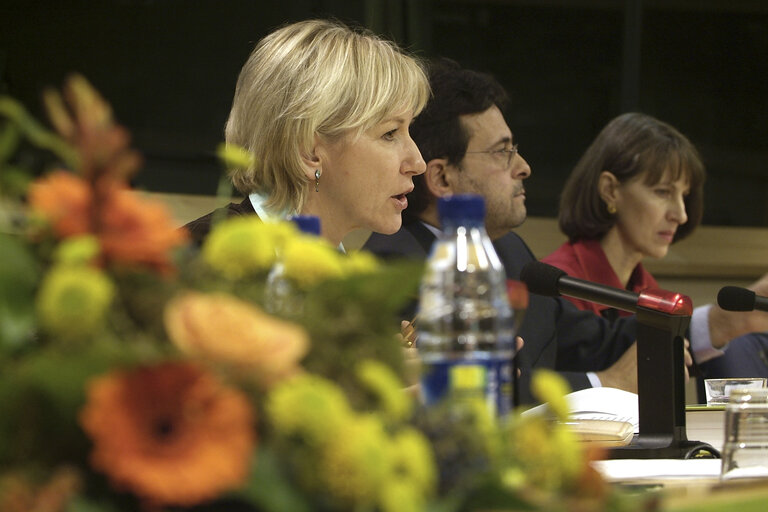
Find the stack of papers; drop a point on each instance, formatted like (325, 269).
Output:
(657, 470)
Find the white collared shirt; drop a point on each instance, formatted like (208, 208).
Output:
(258, 200)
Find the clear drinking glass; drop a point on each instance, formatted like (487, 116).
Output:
(717, 390)
(745, 452)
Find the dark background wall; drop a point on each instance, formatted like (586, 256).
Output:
(169, 68)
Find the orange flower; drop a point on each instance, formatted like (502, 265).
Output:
(130, 230)
(98, 201)
(137, 231)
(226, 329)
(103, 147)
(171, 434)
(65, 200)
(517, 292)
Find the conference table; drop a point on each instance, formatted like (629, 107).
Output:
(692, 484)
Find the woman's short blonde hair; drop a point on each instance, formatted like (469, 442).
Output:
(310, 78)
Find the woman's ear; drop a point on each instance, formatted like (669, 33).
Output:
(437, 177)
(313, 161)
(607, 187)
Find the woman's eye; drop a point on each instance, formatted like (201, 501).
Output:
(390, 135)
(663, 192)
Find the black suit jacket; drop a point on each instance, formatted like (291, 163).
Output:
(557, 335)
(199, 228)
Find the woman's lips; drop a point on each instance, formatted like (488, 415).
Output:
(401, 201)
(667, 235)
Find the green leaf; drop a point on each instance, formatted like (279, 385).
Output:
(36, 133)
(81, 504)
(14, 180)
(18, 278)
(41, 395)
(270, 489)
(9, 141)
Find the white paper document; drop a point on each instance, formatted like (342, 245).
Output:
(628, 470)
(600, 404)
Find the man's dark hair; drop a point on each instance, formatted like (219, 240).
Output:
(437, 130)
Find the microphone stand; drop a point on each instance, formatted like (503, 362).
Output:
(662, 320)
(661, 391)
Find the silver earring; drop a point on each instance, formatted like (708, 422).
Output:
(317, 180)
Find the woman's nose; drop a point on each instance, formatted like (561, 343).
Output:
(414, 162)
(678, 212)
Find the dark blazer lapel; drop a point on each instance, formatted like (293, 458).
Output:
(422, 234)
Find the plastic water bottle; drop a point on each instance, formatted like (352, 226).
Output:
(465, 324)
(280, 296)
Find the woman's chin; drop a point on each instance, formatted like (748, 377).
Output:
(390, 227)
(659, 253)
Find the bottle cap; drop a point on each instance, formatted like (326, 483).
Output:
(309, 224)
(461, 209)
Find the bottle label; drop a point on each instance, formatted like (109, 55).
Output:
(488, 381)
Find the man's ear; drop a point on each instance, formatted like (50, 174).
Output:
(607, 187)
(437, 177)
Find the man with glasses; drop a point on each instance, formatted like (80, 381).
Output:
(468, 148)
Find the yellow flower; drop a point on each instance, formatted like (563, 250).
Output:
(572, 457)
(80, 250)
(242, 246)
(484, 422)
(309, 260)
(356, 462)
(361, 262)
(384, 384)
(264, 347)
(532, 446)
(549, 387)
(309, 406)
(513, 478)
(550, 454)
(171, 434)
(401, 495)
(73, 300)
(234, 156)
(414, 460)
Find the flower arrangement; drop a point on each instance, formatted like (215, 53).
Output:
(139, 374)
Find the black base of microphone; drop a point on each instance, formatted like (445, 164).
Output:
(661, 391)
(650, 448)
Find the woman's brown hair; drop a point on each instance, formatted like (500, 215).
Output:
(630, 145)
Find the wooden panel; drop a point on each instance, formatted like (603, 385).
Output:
(712, 253)
(188, 207)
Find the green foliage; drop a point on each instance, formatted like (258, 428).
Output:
(38, 395)
(330, 430)
(269, 488)
(19, 274)
(26, 126)
(357, 318)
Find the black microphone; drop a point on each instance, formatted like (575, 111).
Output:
(550, 281)
(734, 298)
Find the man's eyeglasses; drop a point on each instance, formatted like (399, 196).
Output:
(503, 155)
